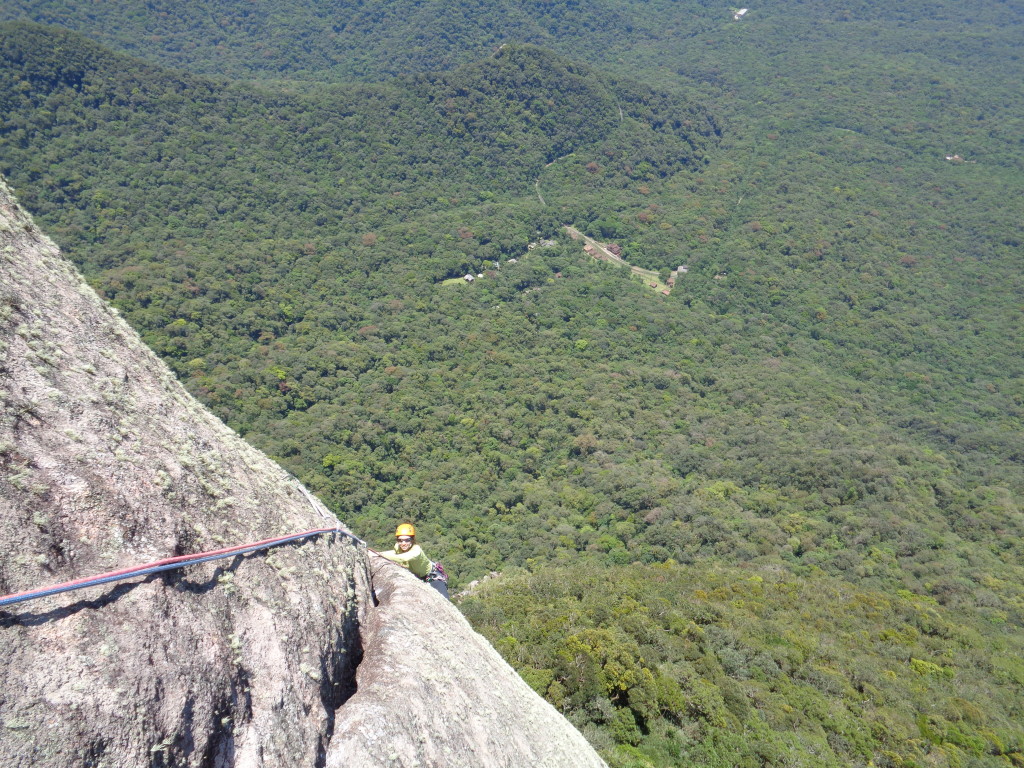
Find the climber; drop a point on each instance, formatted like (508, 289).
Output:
(408, 554)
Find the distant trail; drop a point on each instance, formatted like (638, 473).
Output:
(536, 183)
(650, 277)
(647, 274)
(577, 235)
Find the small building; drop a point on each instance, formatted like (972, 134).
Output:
(469, 278)
(615, 250)
(739, 14)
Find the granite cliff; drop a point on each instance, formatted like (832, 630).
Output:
(315, 653)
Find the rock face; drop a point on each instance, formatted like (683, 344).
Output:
(106, 462)
(432, 692)
(279, 658)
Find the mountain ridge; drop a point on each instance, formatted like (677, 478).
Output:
(96, 127)
(341, 41)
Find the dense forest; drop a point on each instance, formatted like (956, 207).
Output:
(345, 40)
(771, 518)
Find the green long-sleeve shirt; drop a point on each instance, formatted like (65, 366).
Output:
(415, 559)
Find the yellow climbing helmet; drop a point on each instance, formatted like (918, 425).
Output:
(405, 529)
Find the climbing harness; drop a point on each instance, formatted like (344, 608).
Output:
(437, 573)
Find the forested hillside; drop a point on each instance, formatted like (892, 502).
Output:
(771, 518)
(342, 39)
(181, 158)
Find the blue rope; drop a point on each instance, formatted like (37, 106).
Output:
(199, 558)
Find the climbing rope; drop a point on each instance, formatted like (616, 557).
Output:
(172, 563)
(167, 564)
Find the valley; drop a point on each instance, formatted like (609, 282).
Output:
(770, 519)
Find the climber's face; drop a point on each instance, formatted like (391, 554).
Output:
(404, 542)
